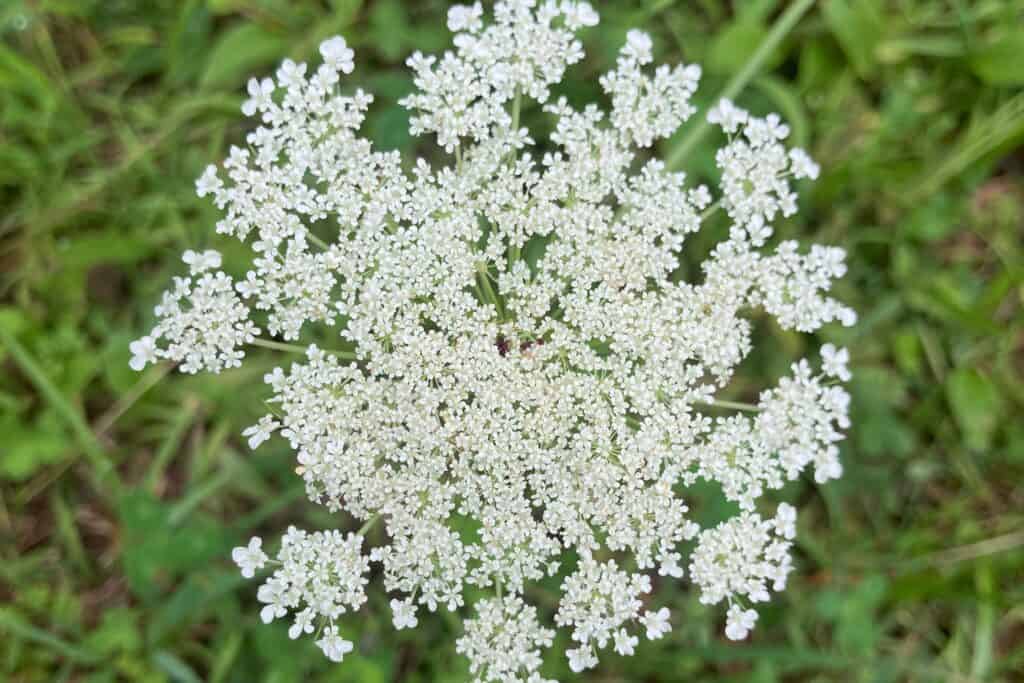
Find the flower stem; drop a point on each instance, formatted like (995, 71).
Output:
(785, 23)
(731, 405)
(296, 348)
(711, 210)
(368, 524)
(317, 241)
(488, 291)
(517, 104)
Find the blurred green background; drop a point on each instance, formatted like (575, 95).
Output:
(122, 494)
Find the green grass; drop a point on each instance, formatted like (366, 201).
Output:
(122, 494)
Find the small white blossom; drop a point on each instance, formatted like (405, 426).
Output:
(333, 645)
(728, 116)
(755, 169)
(200, 262)
(739, 622)
(669, 565)
(143, 352)
(802, 165)
(250, 558)
(581, 659)
(579, 14)
(403, 614)
(261, 431)
(741, 558)
(465, 18)
(337, 54)
(209, 182)
(785, 521)
(656, 623)
(834, 362)
(638, 46)
(290, 75)
(596, 601)
(260, 92)
(203, 321)
(625, 643)
(303, 623)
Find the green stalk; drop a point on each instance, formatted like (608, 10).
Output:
(785, 23)
(488, 291)
(731, 405)
(368, 525)
(296, 348)
(517, 104)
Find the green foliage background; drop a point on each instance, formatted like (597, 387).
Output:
(121, 495)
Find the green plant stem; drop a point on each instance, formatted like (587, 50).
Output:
(517, 105)
(296, 348)
(711, 210)
(317, 241)
(731, 405)
(785, 23)
(367, 525)
(485, 283)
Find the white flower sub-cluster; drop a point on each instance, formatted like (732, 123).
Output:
(511, 382)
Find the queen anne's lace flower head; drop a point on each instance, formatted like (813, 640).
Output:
(511, 377)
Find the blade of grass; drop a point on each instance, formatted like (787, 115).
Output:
(100, 182)
(965, 553)
(185, 506)
(175, 667)
(171, 444)
(68, 532)
(1001, 129)
(227, 653)
(264, 512)
(124, 404)
(981, 664)
(100, 428)
(783, 25)
(102, 468)
(11, 622)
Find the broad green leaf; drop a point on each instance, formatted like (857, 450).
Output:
(118, 631)
(999, 62)
(389, 28)
(240, 53)
(156, 551)
(109, 246)
(858, 27)
(977, 406)
(28, 448)
(188, 41)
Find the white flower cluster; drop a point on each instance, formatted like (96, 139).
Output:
(598, 601)
(737, 559)
(321, 576)
(203, 321)
(503, 641)
(510, 377)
